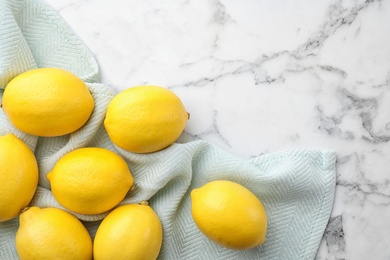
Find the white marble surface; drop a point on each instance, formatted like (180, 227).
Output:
(260, 76)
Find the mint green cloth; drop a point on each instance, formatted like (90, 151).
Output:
(296, 186)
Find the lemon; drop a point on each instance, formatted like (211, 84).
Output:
(18, 176)
(128, 232)
(90, 180)
(145, 119)
(47, 102)
(229, 214)
(51, 233)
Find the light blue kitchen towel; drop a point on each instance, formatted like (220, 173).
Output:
(296, 186)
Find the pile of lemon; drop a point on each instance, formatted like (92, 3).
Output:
(53, 102)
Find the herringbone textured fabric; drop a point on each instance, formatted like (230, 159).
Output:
(296, 186)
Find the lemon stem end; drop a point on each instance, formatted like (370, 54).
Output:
(144, 203)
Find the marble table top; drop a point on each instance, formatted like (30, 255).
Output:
(262, 76)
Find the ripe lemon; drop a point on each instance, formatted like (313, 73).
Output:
(90, 180)
(131, 231)
(145, 119)
(18, 176)
(47, 102)
(229, 214)
(51, 233)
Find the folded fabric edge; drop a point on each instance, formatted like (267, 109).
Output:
(325, 162)
(329, 169)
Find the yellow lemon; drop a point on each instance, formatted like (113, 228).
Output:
(47, 102)
(18, 176)
(90, 180)
(51, 233)
(229, 214)
(145, 119)
(129, 232)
